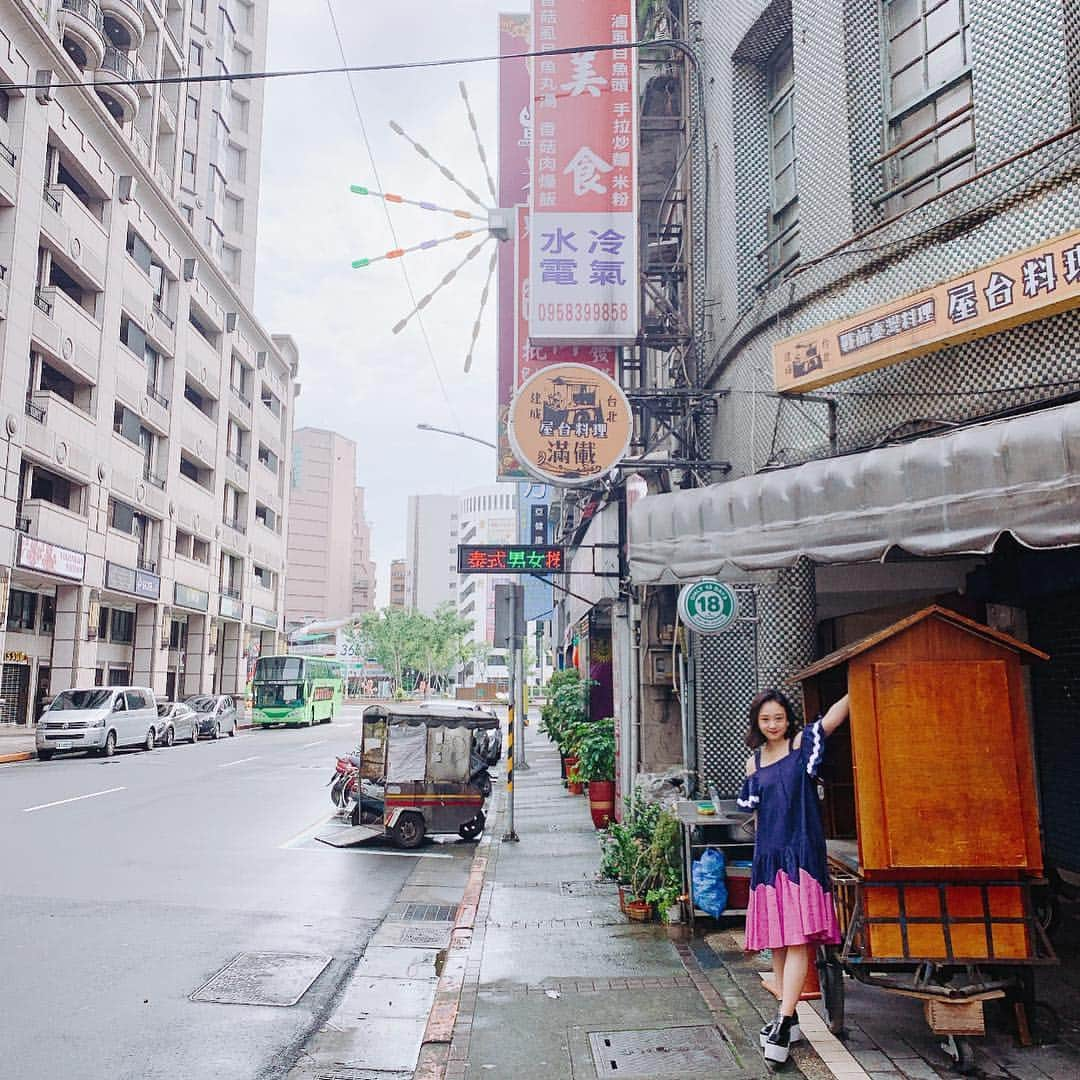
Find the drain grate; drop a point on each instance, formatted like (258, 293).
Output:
(429, 913)
(263, 978)
(587, 888)
(664, 1053)
(425, 936)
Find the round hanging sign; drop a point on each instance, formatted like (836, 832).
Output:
(708, 607)
(570, 424)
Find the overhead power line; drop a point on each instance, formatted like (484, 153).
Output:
(353, 69)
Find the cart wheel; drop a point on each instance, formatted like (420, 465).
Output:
(473, 828)
(962, 1052)
(408, 831)
(831, 977)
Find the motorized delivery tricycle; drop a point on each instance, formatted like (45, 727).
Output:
(425, 770)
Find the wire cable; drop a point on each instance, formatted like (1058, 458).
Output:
(389, 217)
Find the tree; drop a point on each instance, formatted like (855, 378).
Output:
(390, 636)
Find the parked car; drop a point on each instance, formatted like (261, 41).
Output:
(177, 722)
(216, 714)
(100, 719)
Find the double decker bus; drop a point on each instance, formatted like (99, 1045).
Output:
(296, 690)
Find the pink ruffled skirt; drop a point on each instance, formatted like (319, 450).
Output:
(790, 913)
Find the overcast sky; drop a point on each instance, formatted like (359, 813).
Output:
(356, 376)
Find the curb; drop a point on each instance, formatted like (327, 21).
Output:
(25, 755)
(435, 1047)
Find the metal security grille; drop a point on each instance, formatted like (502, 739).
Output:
(664, 1053)
(14, 684)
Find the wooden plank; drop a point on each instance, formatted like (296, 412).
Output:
(951, 794)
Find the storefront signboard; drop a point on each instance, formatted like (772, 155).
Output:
(1029, 285)
(708, 607)
(51, 559)
(584, 261)
(570, 424)
(510, 559)
(188, 597)
(129, 580)
(262, 617)
(230, 608)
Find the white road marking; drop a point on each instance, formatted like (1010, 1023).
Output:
(308, 829)
(238, 761)
(308, 746)
(77, 798)
(378, 851)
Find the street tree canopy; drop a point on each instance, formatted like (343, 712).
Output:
(414, 647)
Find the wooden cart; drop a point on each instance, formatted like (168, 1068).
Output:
(932, 821)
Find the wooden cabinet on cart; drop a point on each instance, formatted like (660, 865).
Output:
(930, 802)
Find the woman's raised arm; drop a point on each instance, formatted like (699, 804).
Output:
(837, 714)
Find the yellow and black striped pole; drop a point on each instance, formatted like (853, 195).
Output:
(511, 712)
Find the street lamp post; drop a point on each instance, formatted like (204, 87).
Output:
(457, 434)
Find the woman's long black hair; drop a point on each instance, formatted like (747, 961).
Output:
(754, 738)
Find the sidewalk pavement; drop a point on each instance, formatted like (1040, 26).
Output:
(546, 979)
(17, 745)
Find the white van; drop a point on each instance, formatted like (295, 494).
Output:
(98, 720)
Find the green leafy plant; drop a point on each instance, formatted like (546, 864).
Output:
(595, 747)
(619, 853)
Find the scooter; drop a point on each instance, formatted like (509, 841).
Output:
(344, 780)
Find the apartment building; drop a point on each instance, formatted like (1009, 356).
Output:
(363, 566)
(320, 545)
(487, 515)
(398, 578)
(147, 412)
(431, 552)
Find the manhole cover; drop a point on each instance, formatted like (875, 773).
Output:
(587, 888)
(429, 913)
(424, 936)
(263, 978)
(663, 1053)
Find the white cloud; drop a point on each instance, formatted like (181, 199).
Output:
(356, 376)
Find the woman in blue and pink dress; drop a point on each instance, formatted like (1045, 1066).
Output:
(791, 908)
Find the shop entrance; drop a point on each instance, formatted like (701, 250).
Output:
(14, 692)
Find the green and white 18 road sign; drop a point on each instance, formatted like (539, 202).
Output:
(708, 607)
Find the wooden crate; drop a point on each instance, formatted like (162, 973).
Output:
(955, 1017)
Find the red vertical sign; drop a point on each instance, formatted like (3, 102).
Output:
(583, 273)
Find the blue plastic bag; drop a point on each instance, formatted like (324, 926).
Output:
(710, 886)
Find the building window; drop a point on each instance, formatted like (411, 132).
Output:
(201, 401)
(139, 250)
(126, 423)
(52, 488)
(268, 458)
(48, 614)
(22, 610)
(195, 55)
(122, 627)
(133, 336)
(192, 108)
(931, 128)
(187, 172)
(783, 181)
(204, 331)
(265, 517)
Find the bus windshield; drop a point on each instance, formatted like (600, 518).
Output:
(275, 694)
(279, 669)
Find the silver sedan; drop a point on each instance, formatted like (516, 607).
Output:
(216, 714)
(176, 723)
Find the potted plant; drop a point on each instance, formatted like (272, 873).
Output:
(563, 711)
(596, 764)
(619, 852)
(656, 880)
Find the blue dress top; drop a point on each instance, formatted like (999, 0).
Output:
(790, 836)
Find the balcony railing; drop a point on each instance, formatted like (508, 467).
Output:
(235, 523)
(7, 153)
(35, 412)
(158, 313)
(88, 10)
(240, 394)
(229, 591)
(119, 63)
(237, 459)
(152, 478)
(51, 200)
(161, 399)
(147, 564)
